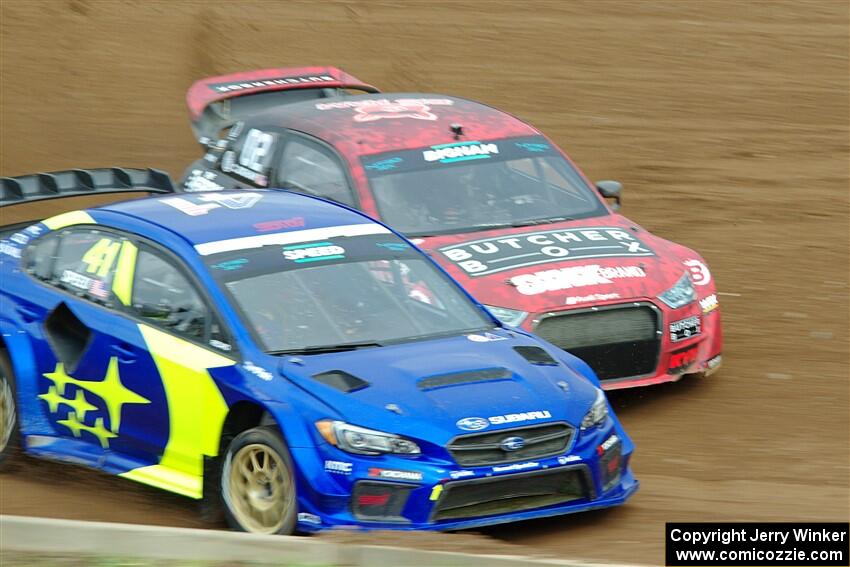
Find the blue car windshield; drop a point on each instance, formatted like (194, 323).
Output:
(478, 185)
(359, 291)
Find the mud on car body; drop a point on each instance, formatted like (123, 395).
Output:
(488, 196)
(288, 358)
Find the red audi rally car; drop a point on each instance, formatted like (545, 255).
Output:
(489, 197)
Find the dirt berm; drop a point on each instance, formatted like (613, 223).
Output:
(727, 122)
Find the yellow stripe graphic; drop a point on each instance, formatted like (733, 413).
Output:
(67, 219)
(196, 412)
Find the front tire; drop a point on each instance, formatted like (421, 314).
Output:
(9, 432)
(258, 483)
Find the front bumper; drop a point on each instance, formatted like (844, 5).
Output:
(594, 473)
(656, 357)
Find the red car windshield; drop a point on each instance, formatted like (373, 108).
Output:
(473, 185)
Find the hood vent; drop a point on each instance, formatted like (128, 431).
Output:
(457, 378)
(536, 355)
(342, 381)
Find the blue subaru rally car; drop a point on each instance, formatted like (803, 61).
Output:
(296, 364)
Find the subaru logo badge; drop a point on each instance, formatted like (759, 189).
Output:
(512, 443)
(472, 423)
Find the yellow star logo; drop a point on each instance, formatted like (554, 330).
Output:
(98, 430)
(78, 403)
(110, 390)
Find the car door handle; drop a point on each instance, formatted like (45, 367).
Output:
(27, 314)
(125, 353)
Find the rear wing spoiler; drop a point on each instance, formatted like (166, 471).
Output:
(40, 187)
(218, 102)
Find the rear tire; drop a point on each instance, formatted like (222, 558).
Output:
(258, 483)
(9, 428)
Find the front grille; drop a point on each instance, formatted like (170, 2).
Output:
(512, 493)
(540, 441)
(617, 342)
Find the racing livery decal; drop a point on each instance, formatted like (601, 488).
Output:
(376, 109)
(500, 253)
(249, 85)
(574, 276)
(110, 390)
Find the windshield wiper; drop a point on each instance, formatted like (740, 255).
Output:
(533, 222)
(321, 349)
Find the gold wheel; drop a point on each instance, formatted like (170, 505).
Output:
(260, 489)
(8, 412)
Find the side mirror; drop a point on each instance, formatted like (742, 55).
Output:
(610, 190)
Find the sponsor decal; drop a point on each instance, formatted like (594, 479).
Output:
(314, 252)
(34, 230)
(279, 224)
(234, 86)
(370, 110)
(20, 238)
(699, 272)
(220, 345)
(230, 265)
(478, 423)
(200, 180)
(9, 249)
(684, 329)
(461, 474)
(517, 417)
(415, 110)
(257, 371)
(309, 518)
(460, 151)
(375, 472)
(485, 337)
(76, 280)
(533, 147)
(512, 444)
(229, 165)
(500, 253)
(572, 277)
(384, 164)
(709, 304)
(472, 423)
(575, 300)
(394, 246)
(516, 467)
(607, 444)
(338, 467)
(435, 492)
(681, 360)
(563, 460)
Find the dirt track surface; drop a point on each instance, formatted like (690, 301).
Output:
(726, 121)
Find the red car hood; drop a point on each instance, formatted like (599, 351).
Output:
(553, 266)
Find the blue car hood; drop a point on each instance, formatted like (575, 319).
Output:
(512, 392)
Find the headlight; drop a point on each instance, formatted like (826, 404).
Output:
(597, 413)
(364, 441)
(507, 316)
(680, 294)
